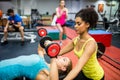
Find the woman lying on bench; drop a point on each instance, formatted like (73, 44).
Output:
(34, 67)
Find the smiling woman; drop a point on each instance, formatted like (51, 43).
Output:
(62, 14)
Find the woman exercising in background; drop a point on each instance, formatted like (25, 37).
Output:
(32, 66)
(62, 14)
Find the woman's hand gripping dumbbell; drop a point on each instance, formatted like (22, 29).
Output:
(52, 48)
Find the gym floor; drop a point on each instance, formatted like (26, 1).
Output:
(112, 69)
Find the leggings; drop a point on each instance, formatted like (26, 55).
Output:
(81, 76)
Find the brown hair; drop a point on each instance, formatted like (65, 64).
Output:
(63, 74)
(60, 1)
(88, 15)
(10, 11)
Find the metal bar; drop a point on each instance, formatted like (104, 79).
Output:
(112, 59)
(110, 63)
(109, 57)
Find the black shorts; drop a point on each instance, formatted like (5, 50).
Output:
(81, 76)
(16, 28)
(62, 25)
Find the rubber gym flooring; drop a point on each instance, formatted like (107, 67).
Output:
(111, 68)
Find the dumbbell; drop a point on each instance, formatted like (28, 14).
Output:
(11, 22)
(42, 32)
(52, 49)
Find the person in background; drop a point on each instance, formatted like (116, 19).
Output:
(62, 14)
(15, 21)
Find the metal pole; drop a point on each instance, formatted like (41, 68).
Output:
(110, 10)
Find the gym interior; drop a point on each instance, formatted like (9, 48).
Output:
(37, 14)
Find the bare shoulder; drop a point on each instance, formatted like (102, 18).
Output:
(90, 47)
(91, 44)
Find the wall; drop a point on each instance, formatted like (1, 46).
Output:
(75, 5)
(24, 6)
(43, 6)
(4, 5)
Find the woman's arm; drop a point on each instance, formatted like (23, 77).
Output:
(69, 47)
(89, 50)
(52, 75)
(57, 13)
(53, 70)
(41, 51)
(66, 12)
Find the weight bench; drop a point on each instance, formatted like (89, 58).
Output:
(28, 35)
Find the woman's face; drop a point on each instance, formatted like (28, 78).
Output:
(62, 3)
(80, 25)
(62, 62)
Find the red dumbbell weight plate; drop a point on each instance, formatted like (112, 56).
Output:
(42, 32)
(53, 49)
